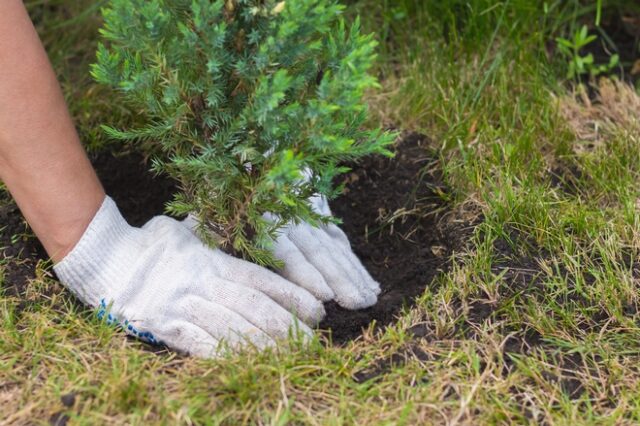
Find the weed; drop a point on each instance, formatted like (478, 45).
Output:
(580, 64)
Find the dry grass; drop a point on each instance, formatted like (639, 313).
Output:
(615, 106)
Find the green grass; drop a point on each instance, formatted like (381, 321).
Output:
(474, 76)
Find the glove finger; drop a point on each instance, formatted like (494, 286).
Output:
(335, 232)
(350, 293)
(321, 205)
(286, 294)
(257, 308)
(349, 262)
(189, 339)
(190, 222)
(299, 270)
(224, 324)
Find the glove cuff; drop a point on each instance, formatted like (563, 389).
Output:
(98, 260)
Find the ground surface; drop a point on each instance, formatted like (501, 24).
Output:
(401, 228)
(507, 241)
(404, 237)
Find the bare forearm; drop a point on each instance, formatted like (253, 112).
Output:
(41, 159)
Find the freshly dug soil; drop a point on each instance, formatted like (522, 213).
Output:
(401, 229)
(391, 209)
(17, 244)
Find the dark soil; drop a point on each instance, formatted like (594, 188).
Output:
(17, 245)
(398, 225)
(139, 194)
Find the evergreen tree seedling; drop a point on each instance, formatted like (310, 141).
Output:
(251, 105)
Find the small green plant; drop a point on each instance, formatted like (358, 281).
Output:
(251, 105)
(579, 64)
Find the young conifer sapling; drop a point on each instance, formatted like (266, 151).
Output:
(252, 106)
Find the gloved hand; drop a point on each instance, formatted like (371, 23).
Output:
(321, 261)
(164, 286)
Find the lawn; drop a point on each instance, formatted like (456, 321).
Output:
(524, 212)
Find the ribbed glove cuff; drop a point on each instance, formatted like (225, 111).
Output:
(97, 262)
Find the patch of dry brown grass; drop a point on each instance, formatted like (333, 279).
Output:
(614, 106)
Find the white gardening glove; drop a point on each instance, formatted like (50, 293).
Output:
(165, 287)
(321, 261)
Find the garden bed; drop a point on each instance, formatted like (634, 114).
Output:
(392, 209)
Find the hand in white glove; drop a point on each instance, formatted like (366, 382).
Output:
(164, 286)
(321, 261)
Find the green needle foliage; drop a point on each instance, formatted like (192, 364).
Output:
(251, 105)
